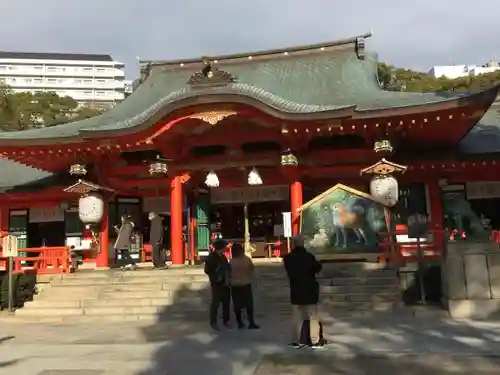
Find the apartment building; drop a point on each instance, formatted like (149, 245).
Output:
(89, 79)
(456, 71)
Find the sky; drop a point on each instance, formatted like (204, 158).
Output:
(415, 34)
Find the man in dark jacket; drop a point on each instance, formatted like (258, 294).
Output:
(218, 270)
(156, 240)
(301, 268)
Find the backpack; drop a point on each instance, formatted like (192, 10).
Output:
(305, 334)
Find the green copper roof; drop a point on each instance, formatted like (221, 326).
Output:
(15, 174)
(310, 80)
(484, 137)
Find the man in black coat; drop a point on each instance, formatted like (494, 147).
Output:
(301, 267)
(218, 270)
(156, 240)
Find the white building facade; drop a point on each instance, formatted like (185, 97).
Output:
(457, 71)
(89, 79)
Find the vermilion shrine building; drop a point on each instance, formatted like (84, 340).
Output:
(230, 114)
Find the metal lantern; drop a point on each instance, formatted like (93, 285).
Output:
(78, 170)
(158, 168)
(288, 159)
(385, 189)
(91, 208)
(383, 145)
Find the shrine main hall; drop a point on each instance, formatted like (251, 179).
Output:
(222, 145)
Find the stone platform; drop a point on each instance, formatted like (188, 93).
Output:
(383, 343)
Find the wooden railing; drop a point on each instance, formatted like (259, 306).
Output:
(407, 252)
(45, 260)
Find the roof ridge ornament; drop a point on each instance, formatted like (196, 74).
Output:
(360, 48)
(210, 76)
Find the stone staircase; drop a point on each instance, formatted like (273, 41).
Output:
(145, 294)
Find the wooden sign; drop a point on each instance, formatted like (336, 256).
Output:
(10, 246)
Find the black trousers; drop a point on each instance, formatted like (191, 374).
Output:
(158, 255)
(125, 258)
(243, 300)
(221, 295)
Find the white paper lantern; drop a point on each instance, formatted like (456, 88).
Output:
(385, 189)
(91, 208)
(212, 180)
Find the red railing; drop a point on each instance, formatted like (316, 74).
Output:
(45, 260)
(407, 252)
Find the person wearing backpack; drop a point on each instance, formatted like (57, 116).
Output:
(218, 270)
(301, 267)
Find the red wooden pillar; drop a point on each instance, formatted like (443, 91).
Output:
(435, 205)
(295, 202)
(176, 220)
(102, 259)
(4, 220)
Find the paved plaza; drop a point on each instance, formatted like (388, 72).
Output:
(387, 343)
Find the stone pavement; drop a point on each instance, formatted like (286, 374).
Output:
(387, 343)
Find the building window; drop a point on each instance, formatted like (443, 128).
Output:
(37, 67)
(3, 67)
(87, 69)
(87, 81)
(52, 69)
(29, 81)
(51, 81)
(101, 81)
(100, 93)
(87, 92)
(101, 70)
(38, 81)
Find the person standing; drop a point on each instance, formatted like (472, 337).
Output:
(123, 243)
(242, 269)
(156, 239)
(218, 270)
(301, 267)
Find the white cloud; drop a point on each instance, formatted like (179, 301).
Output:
(412, 33)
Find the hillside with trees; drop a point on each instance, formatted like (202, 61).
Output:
(26, 110)
(398, 79)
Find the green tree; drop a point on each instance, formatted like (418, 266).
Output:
(398, 79)
(25, 110)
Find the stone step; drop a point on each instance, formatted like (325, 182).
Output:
(70, 292)
(167, 312)
(198, 300)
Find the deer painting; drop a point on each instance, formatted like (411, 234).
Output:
(343, 220)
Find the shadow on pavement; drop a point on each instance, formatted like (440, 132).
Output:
(6, 338)
(360, 343)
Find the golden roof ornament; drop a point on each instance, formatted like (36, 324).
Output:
(210, 76)
(384, 167)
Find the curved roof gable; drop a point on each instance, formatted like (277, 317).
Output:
(318, 80)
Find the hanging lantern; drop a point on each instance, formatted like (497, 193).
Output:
(254, 178)
(384, 186)
(158, 168)
(383, 145)
(212, 180)
(91, 208)
(385, 189)
(77, 170)
(288, 159)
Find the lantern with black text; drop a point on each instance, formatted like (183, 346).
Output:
(91, 208)
(384, 186)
